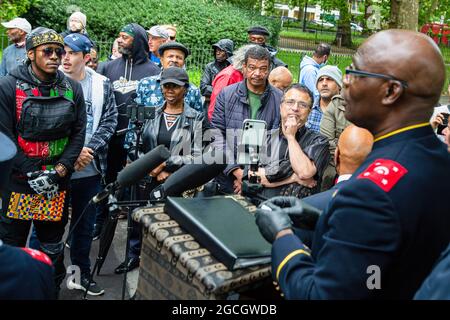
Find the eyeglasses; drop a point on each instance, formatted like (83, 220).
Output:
(292, 103)
(48, 52)
(351, 71)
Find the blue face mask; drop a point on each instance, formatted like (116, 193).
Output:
(323, 63)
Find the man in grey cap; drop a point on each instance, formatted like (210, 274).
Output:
(15, 54)
(157, 35)
(223, 50)
(328, 84)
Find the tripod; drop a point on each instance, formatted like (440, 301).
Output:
(133, 196)
(108, 231)
(252, 188)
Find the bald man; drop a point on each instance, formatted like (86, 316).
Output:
(353, 146)
(385, 228)
(281, 78)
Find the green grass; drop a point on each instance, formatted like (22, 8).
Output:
(293, 61)
(320, 37)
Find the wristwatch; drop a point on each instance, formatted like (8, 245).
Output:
(61, 170)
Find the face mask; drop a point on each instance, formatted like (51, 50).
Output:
(323, 64)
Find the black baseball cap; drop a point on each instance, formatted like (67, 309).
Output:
(175, 75)
(173, 45)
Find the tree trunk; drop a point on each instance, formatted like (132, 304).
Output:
(404, 14)
(343, 33)
(367, 15)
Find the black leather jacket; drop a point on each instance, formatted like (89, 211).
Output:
(187, 137)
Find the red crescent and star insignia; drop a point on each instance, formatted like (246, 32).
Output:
(384, 173)
(38, 255)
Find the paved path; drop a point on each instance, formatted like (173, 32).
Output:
(107, 279)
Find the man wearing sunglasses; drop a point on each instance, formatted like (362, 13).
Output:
(43, 111)
(384, 230)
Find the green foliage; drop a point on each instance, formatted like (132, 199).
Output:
(432, 10)
(15, 8)
(200, 23)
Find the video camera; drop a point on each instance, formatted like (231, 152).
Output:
(138, 113)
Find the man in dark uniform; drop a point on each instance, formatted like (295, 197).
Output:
(385, 228)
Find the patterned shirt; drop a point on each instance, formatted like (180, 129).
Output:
(149, 94)
(314, 118)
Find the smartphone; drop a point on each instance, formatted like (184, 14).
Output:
(441, 127)
(252, 140)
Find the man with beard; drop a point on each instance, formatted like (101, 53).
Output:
(223, 50)
(15, 54)
(43, 112)
(125, 73)
(328, 84)
(385, 228)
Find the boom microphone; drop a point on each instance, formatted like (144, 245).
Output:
(135, 171)
(187, 177)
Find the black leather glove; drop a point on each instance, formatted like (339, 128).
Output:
(286, 212)
(272, 219)
(44, 182)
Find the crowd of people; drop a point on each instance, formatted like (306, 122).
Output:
(367, 148)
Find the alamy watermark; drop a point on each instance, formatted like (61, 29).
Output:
(374, 280)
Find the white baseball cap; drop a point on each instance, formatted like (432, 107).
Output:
(19, 23)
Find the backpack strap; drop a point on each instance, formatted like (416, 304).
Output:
(24, 86)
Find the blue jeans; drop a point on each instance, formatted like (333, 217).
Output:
(83, 190)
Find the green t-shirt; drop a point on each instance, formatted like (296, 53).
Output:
(255, 103)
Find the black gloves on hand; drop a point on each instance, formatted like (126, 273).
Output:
(272, 219)
(278, 214)
(44, 182)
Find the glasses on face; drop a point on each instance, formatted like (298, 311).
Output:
(291, 103)
(350, 72)
(48, 52)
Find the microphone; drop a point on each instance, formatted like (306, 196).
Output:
(187, 177)
(135, 171)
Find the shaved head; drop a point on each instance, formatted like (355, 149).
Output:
(354, 145)
(412, 77)
(407, 55)
(281, 78)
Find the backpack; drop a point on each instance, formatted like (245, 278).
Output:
(45, 118)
